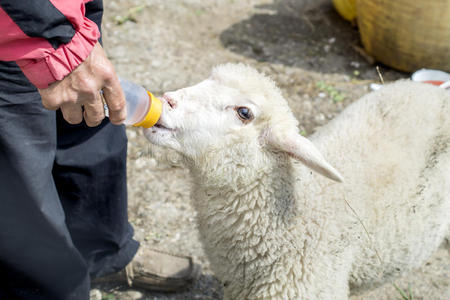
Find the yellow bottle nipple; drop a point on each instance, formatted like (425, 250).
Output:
(153, 114)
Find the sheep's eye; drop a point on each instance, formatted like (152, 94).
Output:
(244, 113)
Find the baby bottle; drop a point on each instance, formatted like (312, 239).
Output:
(143, 109)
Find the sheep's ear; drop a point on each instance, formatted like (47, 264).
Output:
(302, 149)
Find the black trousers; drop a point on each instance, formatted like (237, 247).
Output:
(63, 198)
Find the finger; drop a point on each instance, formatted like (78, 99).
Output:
(50, 100)
(115, 99)
(72, 113)
(93, 111)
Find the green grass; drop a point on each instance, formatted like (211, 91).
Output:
(130, 16)
(335, 95)
(404, 295)
(108, 297)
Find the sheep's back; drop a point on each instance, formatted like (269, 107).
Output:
(392, 147)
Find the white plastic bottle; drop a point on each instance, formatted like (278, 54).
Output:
(143, 109)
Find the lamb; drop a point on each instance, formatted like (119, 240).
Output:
(271, 227)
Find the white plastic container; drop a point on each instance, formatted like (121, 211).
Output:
(435, 77)
(143, 109)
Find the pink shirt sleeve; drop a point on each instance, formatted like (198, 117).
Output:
(39, 61)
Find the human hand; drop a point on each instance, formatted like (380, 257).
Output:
(81, 88)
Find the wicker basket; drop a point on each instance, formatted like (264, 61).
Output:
(405, 34)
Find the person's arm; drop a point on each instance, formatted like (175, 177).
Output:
(47, 38)
(57, 49)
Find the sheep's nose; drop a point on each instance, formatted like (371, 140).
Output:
(172, 103)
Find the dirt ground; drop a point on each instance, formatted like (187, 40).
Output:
(168, 44)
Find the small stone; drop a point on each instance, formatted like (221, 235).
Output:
(307, 106)
(131, 134)
(140, 162)
(132, 295)
(319, 118)
(95, 294)
(156, 63)
(355, 64)
(176, 237)
(152, 163)
(332, 40)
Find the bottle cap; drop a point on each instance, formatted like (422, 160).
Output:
(153, 114)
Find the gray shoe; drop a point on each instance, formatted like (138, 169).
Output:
(156, 271)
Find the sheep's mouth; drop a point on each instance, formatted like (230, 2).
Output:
(160, 125)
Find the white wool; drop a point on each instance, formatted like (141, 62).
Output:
(272, 228)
